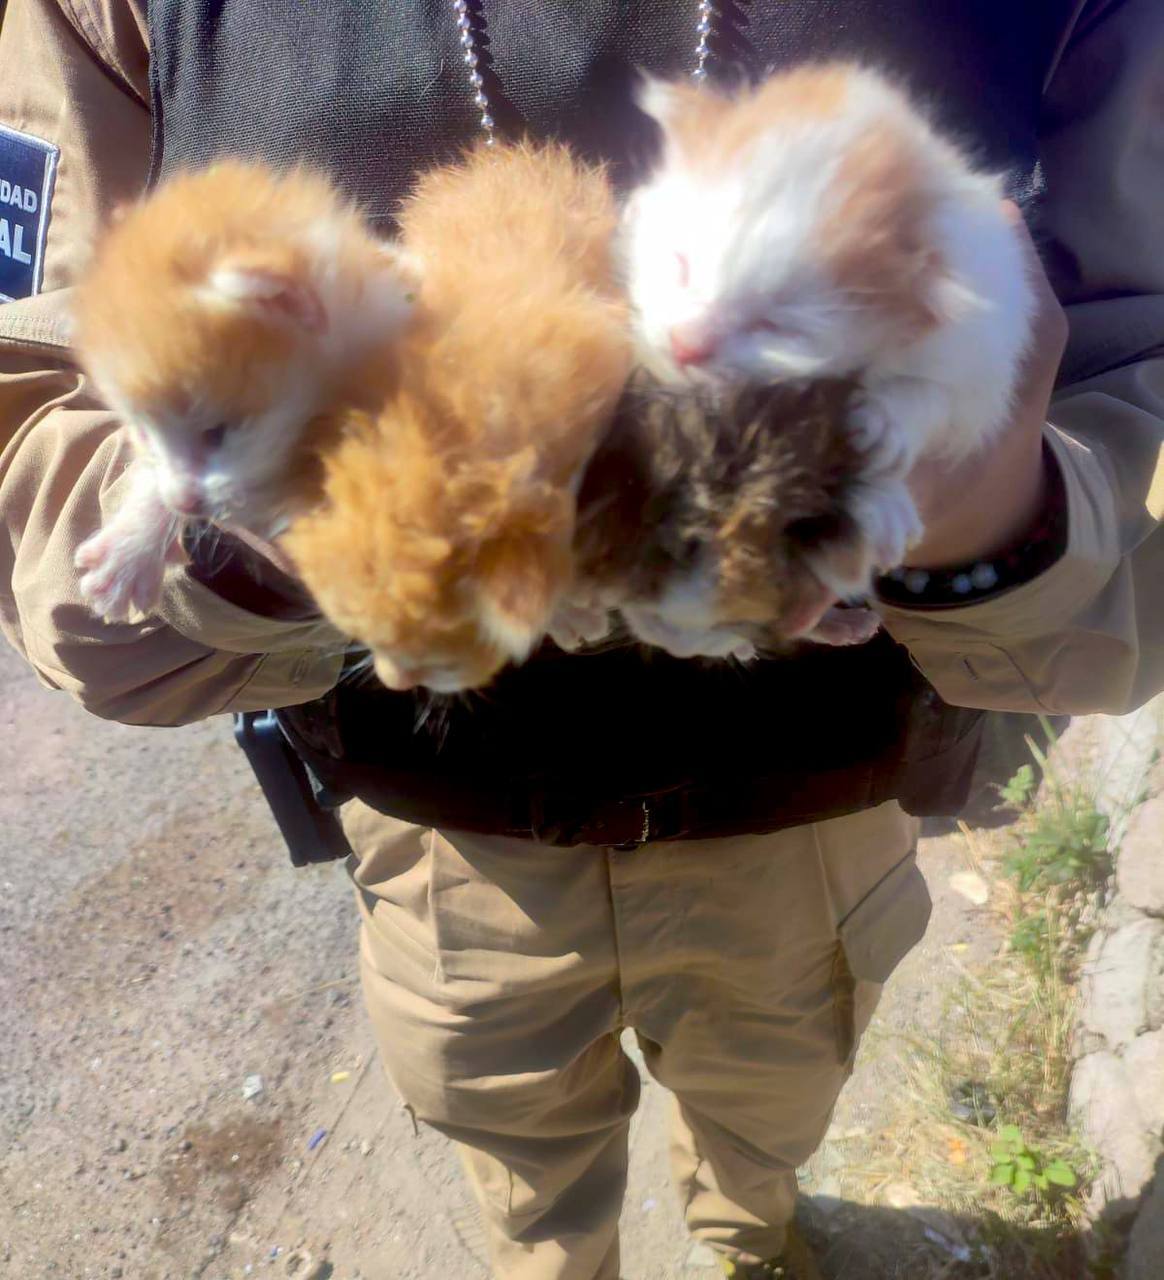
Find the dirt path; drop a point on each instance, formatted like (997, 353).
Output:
(158, 950)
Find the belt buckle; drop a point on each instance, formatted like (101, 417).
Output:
(638, 817)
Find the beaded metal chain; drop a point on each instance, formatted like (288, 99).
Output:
(472, 58)
(705, 29)
(471, 53)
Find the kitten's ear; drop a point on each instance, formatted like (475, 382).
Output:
(518, 584)
(684, 110)
(267, 286)
(657, 98)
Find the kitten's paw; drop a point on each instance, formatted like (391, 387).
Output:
(897, 419)
(888, 520)
(877, 434)
(575, 625)
(845, 626)
(118, 576)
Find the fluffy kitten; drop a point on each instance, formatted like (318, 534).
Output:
(444, 539)
(219, 314)
(817, 226)
(701, 509)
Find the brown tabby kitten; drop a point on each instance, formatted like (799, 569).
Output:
(700, 511)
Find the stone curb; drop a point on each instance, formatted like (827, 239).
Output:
(1117, 1085)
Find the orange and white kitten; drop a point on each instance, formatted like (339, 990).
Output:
(443, 542)
(219, 315)
(817, 227)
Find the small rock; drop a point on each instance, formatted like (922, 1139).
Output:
(900, 1195)
(365, 1147)
(971, 886)
(116, 1273)
(185, 1144)
(971, 1103)
(1102, 1107)
(1144, 1061)
(1120, 982)
(118, 1146)
(701, 1256)
(1140, 869)
(1146, 1246)
(252, 1087)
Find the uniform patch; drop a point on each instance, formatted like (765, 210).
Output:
(28, 168)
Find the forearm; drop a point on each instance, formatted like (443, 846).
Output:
(59, 475)
(83, 90)
(1087, 635)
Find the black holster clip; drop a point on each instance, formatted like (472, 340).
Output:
(303, 807)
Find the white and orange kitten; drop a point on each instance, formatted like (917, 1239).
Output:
(818, 227)
(220, 314)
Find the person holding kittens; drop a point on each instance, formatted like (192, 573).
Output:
(724, 865)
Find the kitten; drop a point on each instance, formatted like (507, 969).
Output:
(701, 510)
(219, 315)
(818, 227)
(444, 539)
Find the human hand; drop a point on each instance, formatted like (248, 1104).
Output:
(974, 508)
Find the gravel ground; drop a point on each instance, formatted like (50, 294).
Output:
(158, 951)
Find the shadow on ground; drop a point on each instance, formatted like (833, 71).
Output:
(867, 1242)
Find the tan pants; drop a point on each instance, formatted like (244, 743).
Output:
(499, 974)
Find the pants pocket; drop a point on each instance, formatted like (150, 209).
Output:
(872, 940)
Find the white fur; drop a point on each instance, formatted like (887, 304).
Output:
(749, 242)
(123, 565)
(683, 621)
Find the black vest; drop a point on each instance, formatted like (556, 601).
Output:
(622, 745)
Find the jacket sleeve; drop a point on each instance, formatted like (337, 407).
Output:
(1088, 634)
(81, 85)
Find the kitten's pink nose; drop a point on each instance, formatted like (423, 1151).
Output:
(189, 502)
(691, 345)
(184, 496)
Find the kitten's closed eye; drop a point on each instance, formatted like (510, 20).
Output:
(213, 437)
(769, 326)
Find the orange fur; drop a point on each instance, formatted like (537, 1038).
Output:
(222, 317)
(444, 539)
(874, 242)
(716, 131)
(141, 309)
(240, 295)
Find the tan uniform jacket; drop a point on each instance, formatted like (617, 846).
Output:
(1086, 636)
